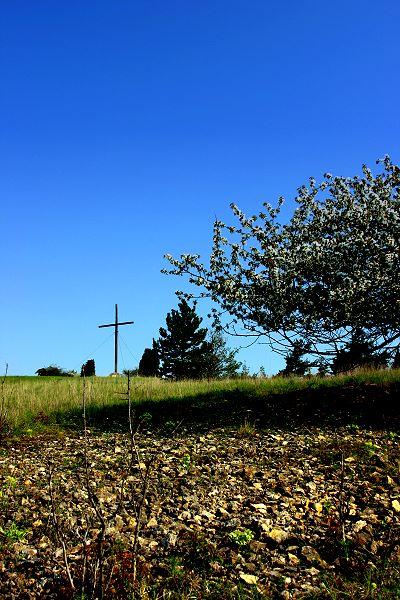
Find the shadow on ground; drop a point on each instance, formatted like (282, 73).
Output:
(367, 405)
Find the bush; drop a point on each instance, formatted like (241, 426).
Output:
(53, 371)
(88, 369)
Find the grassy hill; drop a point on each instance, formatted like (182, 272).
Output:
(28, 403)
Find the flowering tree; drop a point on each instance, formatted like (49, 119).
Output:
(331, 270)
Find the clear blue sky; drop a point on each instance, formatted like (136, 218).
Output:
(127, 127)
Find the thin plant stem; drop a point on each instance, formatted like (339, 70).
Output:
(57, 528)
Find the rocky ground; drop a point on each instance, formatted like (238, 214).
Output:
(225, 512)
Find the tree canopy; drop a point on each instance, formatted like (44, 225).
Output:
(333, 269)
(89, 368)
(149, 363)
(358, 352)
(181, 345)
(295, 362)
(187, 351)
(54, 371)
(219, 361)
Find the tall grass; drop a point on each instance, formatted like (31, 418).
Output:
(37, 399)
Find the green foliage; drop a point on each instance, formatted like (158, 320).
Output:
(149, 363)
(241, 538)
(186, 461)
(54, 371)
(88, 369)
(131, 372)
(295, 363)
(370, 448)
(180, 347)
(184, 351)
(218, 361)
(359, 352)
(146, 418)
(354, 427)
(13, 532)
(330, 271)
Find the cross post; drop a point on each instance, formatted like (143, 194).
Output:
(115, 325)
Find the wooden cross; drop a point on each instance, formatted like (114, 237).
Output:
(115, 325)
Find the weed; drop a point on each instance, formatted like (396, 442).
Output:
(12, 482)
(174, 565)
(14, 533)
(370, 448)
(346, 546)
(146, 419)
(247, 429)
(4, 418)
(186, 461)
(241, 538)
(6, 492)
(198, 552)
(353, 427)
(384, 522)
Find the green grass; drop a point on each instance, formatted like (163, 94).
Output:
(34, 403)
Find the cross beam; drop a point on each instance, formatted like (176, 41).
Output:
(115, 325)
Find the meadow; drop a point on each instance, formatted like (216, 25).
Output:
(27, 403)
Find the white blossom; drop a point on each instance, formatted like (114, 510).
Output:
(332, 269)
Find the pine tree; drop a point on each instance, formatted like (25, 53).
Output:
(359, 352)
(295, 363)
(181, 344)
(218, 360)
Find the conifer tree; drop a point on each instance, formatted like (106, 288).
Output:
(219, 361)
(295, 362)
(359, 352)
(182, 344)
